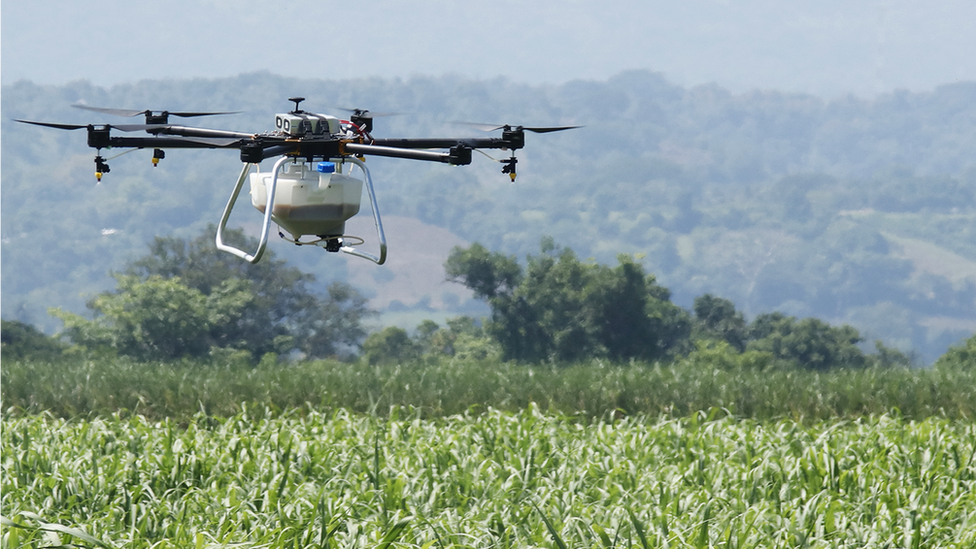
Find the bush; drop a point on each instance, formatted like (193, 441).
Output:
(392, 345)
(21, 340)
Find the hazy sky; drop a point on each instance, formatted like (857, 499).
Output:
(827, 47)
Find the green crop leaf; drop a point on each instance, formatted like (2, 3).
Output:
(394, 533)
(552, 530)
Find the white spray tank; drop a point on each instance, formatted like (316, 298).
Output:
(313, 202)
(309, 199)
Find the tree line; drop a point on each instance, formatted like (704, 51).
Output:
(187, 300)
(557, 308)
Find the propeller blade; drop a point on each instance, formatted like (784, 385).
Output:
(550, 129)
(495, 127)
(53, 125)
(218, 138)
(191, 114)
(132, 112)
(215, 141)
(480, 126)
(369, 113)
(115, 112)
(120, 127)
(136, 127)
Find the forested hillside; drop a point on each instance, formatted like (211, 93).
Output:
(854, 211)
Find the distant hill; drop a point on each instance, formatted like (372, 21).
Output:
(849, 210)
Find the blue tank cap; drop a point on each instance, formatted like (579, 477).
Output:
(326, 167)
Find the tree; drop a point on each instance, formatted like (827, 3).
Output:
(21, 340)
(887, 357)
(487, 274)
(631, 315)
(158, 318)
(562, 309)
(186, 297)
(281, 297)
(391, 345)
(960, 356)
(716, 318)
(332, 325)
(464, 337)
(547, 323)
(810, 343)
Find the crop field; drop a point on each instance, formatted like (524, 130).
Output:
(82, 388)
(302, 478)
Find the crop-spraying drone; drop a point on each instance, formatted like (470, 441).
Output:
(310, 191)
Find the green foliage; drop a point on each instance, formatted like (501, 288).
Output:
(19, 340)
(752, 384)
(564, 310)
(283, 312)
(309, 479)
(487, 274)
(463, 339)
(782, 340)
(392, 345)
(332, 325)
(886, 357)
(427, 337)
(159, 318)
(188, 299)
(712, 354)
(560, 309)
(630, 315)
(716, 318)
(810, 342)
(960, 356)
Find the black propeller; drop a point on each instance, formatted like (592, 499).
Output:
(120, 127)
(509, 127)
(152, 117)
(369, 113)
(132, 112)
(53, 125)
(545, 129)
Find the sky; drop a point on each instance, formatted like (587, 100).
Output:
(825, 47)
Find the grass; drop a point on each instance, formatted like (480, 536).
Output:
(85, 388)
(461, 454)
(303, 479)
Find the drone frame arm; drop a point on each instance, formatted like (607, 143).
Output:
(448, 142)
(458, 155)
(395, 152)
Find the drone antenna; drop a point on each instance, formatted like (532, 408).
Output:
(297, 100)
